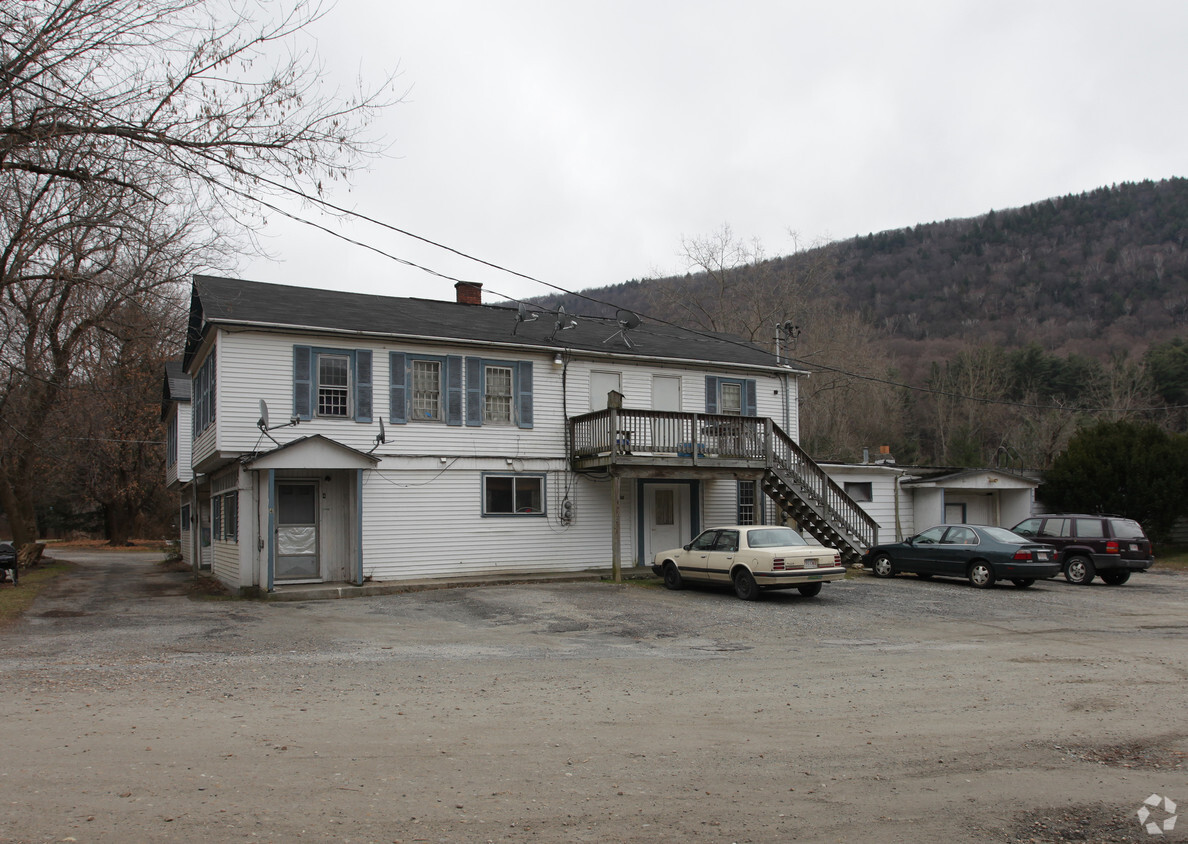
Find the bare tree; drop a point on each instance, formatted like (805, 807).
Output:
(732, 286)
(196, 91)
(133, 137)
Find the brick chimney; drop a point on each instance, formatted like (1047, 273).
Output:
(469, 292)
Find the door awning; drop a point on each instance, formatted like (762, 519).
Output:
(313, 452)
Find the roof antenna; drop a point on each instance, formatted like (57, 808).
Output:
(380, 438)
(524, 315)
(564, 322)
(627, 320)
(262, 423)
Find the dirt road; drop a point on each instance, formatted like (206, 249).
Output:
(880, 711)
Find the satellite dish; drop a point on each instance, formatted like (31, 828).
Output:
(380, 438)
(524, 315)
(262, 423)
(627, 320)
(564, 322)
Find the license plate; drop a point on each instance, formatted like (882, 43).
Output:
(810, 563)
(1133, 547)
(1041, 555)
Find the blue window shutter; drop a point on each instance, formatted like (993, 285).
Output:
(453, 390)
(474, 391)
(302, 382)
(363, 385)
(397, 378)
(524, 394)
(750, 402)
(711, 394)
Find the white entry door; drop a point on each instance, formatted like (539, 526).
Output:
(297, 532)
(666, 518)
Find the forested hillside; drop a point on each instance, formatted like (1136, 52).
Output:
(1006, 329)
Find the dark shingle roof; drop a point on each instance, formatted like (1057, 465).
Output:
(176, 387)
(226, 300)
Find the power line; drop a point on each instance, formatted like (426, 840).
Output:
(719, 337)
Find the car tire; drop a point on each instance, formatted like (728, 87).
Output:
(672, 576)
(1115, 578)
(1079, 570)
(810, 590)
(745, 586)
(981, 575)
(881, 566)
(1023, 582)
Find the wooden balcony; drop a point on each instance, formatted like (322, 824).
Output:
(649, 442)
(659, 444)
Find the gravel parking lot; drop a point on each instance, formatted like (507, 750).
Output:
(897, 710)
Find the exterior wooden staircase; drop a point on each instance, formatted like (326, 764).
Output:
(802, 490)
(644, 442)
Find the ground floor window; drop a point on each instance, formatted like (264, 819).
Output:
(225, 512)
(513, 495)
(185, 517)
(746, 503)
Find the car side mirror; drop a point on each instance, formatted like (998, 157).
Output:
(687, 547)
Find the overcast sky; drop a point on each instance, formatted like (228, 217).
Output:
(578, 143)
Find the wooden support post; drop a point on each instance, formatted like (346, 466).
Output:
(616, 529)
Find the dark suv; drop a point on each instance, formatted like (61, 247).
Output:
(1110, 546)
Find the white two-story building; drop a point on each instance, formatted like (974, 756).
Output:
(342, 437)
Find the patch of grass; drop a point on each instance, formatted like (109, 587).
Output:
(14, 600)
(1171, 557)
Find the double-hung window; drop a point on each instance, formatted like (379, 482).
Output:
(497, 395)
(730, 396)
(331, 383)
(334, 385)
(513, 495)
(730, 399)
(746, 503)
(426, 390)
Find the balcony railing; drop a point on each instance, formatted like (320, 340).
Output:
(615, 432)
(617, 436)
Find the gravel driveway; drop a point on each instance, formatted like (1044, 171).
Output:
(897, 710)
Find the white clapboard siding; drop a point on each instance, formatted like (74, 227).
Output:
(256, 365)
(882, 506)
(424, 523)
(225, 561)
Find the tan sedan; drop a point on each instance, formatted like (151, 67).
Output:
(752, 558)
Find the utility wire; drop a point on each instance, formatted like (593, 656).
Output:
(719, 337)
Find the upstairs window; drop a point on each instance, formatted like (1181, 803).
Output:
(334, 385)
(171, 441)
(730, 402)
(426, 390)
(204, 396)
(730, 396)
(497, 395)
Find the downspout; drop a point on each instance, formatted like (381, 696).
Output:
(270, 583)
(898, 521)
(195, 539)
(359, 522)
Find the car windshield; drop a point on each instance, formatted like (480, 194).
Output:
(1127, 529)
(773, 537)
(1003, 535)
